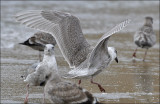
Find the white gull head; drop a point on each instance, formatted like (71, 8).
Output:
(113, 53)
(49, 49)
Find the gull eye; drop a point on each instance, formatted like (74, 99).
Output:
(47, 77)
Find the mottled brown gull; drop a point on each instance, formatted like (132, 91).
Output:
(145, 36)
(66, 29)
(39, 40)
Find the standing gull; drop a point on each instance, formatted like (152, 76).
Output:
(145, 36)
(29, 71)
(66, 29)
(39, 40)
(36, 77)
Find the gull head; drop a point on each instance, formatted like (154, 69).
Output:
(148, 20)
(49, 49)
(113, 53)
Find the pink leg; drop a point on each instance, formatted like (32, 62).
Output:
(134, 54)
(145, 54)
(100, 87)
(26, 99)
(79, 82)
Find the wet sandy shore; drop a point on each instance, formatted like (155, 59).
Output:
(126, 82)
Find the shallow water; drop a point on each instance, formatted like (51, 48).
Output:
(125, 82)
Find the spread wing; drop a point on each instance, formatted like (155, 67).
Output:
(64, 27)
(100, 52)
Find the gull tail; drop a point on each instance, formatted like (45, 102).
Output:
(68, 76)
(90, 97)
(76, 73)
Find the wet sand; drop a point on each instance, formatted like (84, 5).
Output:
(125, 82)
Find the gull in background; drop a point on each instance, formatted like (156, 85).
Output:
(38, 41)
(145, 36)
(78, 53)
(57, 90)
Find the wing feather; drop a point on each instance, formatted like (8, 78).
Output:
(64, 27)
(102, 43)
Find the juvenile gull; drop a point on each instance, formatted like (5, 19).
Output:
(36, 78)
(145, 36)
(66, 29)
(64, 92)
(39, 40)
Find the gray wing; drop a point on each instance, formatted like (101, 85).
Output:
(100, 52)
(64, 27)
(66, 93)
(44, 38)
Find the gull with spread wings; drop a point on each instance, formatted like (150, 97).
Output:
(78, 53)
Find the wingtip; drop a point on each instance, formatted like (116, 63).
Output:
(22, 12)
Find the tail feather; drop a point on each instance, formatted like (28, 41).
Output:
(69, 76)
(91, 98)
(76, 74)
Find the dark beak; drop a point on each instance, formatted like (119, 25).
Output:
(21, 43)
(116, 59)
(25, 42)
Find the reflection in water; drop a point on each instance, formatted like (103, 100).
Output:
(146, 79)
(143, 78)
